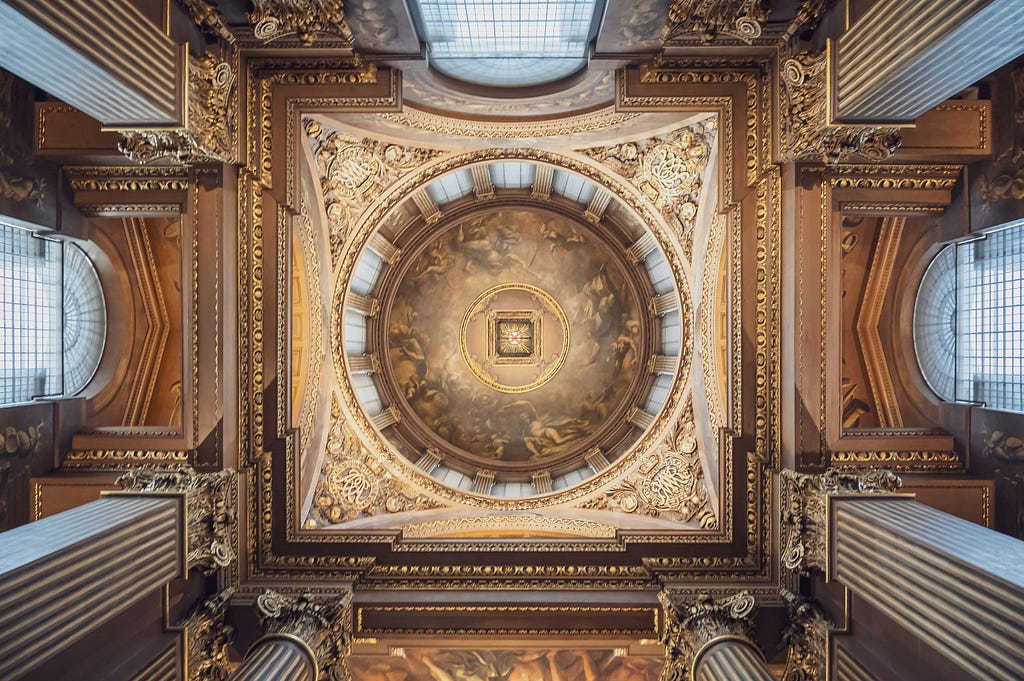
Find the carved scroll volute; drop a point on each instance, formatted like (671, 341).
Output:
(806, 132)
(805, 510)
(208, 637)
(807, 638)
(209, 130)
(691, 626)
(305, 19)
(707, 19)
(209, 509)
(321, 622)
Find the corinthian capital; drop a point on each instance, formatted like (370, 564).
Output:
(208, 638)
(807, 638)
(808, 134)
(691, 625)
(320, 622)
(805, 510)
(209, 509)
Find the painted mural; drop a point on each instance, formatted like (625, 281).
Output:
(514, 334)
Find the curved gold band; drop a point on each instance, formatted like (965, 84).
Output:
(293, 639)
(704, 649)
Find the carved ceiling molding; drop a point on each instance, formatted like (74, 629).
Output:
(307, 20)
(805, 514)
(668, 483)
(668, 170)
(210, 127)
(707, 19)
(806, 132)
(354, 172)
(418, 119)
(354, 484)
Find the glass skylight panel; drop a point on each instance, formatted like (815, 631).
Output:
(507, 42)
(572, 187)
(450, 187)
(512, 174)
(85, 320)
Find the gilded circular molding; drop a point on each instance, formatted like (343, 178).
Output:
(510, 350)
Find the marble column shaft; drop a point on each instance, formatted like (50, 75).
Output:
(64, 576)
(276, 659)
(731, 660)
(957, 585)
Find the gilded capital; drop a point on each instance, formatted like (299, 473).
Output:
(807, 134)
(208, 639)
(805, 510)
(707, 19)
(692, 625)
(208, 131)
(209, 509)
(807, 638)
(320, 622)
(307, 20)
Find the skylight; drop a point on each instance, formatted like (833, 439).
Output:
(507, 43)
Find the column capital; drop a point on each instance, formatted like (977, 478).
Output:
(208, 638)
(807, 133)
(807, 638)
(209, 500)
(693, 626)
(805, 510)
(318, 623)
(210, 120)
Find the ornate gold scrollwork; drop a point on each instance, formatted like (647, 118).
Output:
(320, 623)
(690, 626)
(805, 510)
(353, 483)
(206, 16)
(208, 133)
(306, 19)
(208, 637)
(209, 509)
(807, 638)
(806, 132)
(707, 19)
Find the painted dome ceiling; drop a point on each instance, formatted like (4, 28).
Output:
(510, 329)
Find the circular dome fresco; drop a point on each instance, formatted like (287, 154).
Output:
(520, 343)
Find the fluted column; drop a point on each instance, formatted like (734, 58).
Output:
(64, 576)
(890, 69)
(709, 640)
(957, 585)
(104, 58)
(305, 638)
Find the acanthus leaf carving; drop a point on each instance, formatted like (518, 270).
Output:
(207, 17)
(208, 637)
(209, 509)
(14, 185)
(707, 19)
(805, 510)
(210, 125)
(305, 19)
(691, 624)
(807, 639)
(806, 132)
(321, 621)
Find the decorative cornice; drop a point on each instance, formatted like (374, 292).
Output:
(805, 510)
(208, 133)
(691, 626)
(209, 509)
(307, 20)
(806, 131)
(707, 19)
(320, 622)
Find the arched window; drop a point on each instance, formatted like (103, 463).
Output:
(52, 317)
(969, 320)
(507, 44)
